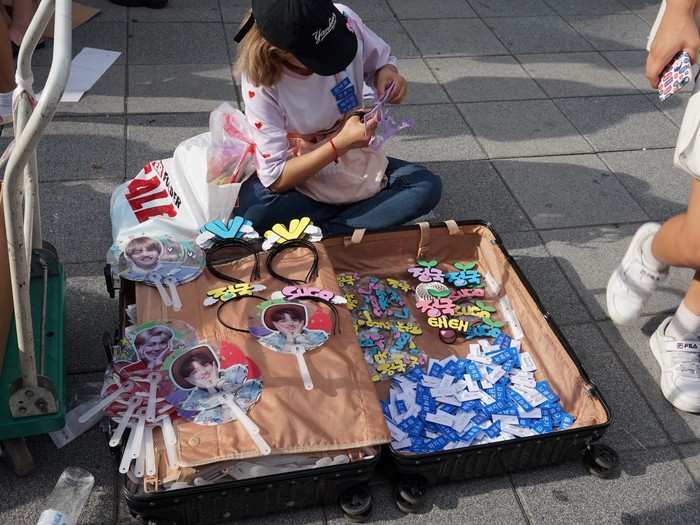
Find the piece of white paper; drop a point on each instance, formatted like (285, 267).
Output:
(86, 68)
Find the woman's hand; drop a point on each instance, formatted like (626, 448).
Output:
(678, 31)
(353, 135)
(387, 75)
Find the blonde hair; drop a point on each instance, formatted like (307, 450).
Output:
(259, 60)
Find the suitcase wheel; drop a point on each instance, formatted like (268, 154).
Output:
(409, 494)
(356, 504)
(601, 461)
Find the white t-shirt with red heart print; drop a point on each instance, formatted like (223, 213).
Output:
(304, 106)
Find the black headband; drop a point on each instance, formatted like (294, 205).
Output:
(288, 245)
(222, 305)
(239, 243)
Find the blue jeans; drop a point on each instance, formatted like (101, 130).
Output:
(411, 191)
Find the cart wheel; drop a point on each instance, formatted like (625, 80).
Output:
(601, 461)
(16, 453)
(356, 504)
(409, 494)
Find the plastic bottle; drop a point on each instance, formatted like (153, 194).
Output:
(68, 498)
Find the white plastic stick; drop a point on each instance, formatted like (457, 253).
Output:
(126, 456)
(304, 370)
(104, 403)
(126, 416)
(175, 297)
(163, 294)
(153, 380)
(250, 427)
(138, 434)
(166, 426)
(140, 466)
(150, 452)
(170, 439)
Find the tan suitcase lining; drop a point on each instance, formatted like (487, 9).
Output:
(390, 254)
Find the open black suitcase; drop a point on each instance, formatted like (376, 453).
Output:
(384, 253)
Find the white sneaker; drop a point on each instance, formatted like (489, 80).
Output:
(680, 368)
(632, 282)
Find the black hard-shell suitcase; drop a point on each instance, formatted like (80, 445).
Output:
(347, 484)
(412, 474)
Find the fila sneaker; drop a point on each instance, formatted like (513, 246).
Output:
(632, 282)
(680, 368)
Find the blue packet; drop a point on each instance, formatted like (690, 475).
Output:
(494, 430)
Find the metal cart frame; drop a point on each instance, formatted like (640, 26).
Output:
(31, 394)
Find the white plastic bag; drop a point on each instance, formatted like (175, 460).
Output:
(231, 152)
(180, 194)
(172, 196)
(192, 159)
(157, 201)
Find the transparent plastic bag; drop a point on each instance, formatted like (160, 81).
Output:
(231, 152)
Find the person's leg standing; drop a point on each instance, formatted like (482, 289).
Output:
(411, 191)
(676, 342)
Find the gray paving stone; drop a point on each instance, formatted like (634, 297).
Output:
(453, 37)
(620, 122)
(631, 343)
(439, 134)
(487, 8)
(109, 12)
(106, 96)
(370, 9)
(394, 35)
(423, 88)
(179, 11)
(89, 313)
(660, 189)
(589, 7)
(234, 11)
(153, 137)
(654, 487)
(589, 255)
(75, 218)
(523, 128)
(690, 455)
(173, 43)
(571, 190)
(632, 65)
(542, 34)
(612, 32)
(102, 35)
(484, 78)
(23, 498)
(82, 148)
(575, 75)
(442, 9)
(633, 424)
(473, 190)
(175, 89)
(477, 501)
(674, 107)
(646, 9)
(550, 284)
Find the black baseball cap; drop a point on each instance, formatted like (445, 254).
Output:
(314, 31)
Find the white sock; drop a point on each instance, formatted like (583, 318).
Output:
(648, 258)
(685, 324)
